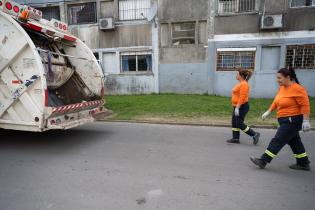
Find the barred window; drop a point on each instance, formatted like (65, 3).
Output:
(82, 13)
(236, 6)
(301, 56)
(302, 3)
(233, 59)
(136, 62)
(133, 9)
(183, 33)
(50, 12)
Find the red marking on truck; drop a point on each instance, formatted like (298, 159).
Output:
(33, 27)
(17, 81)
(69, 38)
(46, 97)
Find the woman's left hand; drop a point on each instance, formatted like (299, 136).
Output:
(306, 126)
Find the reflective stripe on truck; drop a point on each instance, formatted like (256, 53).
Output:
(74, 107)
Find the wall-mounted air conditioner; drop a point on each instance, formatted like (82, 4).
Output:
(106, 24)
(271, 21)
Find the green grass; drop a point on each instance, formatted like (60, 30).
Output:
(185, 108)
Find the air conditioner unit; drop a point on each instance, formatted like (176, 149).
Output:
(106, 24)
(271, 21)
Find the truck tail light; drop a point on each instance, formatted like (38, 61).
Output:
(8, 5)
(16, 9)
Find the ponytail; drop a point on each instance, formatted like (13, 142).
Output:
(289, 72)
(245, 74)
(293, 75)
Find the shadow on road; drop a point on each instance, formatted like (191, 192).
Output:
(63, 139)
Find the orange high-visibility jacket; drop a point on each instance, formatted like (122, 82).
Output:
(240, 93)
(291, 101)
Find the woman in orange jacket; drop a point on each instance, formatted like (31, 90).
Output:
(293, 110)
(240, 96)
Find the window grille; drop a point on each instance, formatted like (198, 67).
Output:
(236, 6)
(82, 13)
(301, 56)
(234, 60)
(133, 9)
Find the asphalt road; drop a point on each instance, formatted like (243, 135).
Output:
(143, 166)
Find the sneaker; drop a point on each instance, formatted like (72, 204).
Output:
(234, 141)
(258, 162)
(300, 167)
(256, 138)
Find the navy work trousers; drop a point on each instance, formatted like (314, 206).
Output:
(288, 133)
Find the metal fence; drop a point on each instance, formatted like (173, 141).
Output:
(236, 6)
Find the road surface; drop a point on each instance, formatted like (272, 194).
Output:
(144, 166)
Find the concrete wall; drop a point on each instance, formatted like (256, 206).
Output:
(170, 12)
(129, 84)
(182, 9)
(89, 34)
(183, 54)
(183, 68)
(237, 24)
(263, 85)
(126, 35)
(300, 19)
(183, 78)
(295, 19)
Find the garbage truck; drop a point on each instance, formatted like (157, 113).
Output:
(49, 79)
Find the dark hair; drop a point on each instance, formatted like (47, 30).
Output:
(289, 72)
(245, 74)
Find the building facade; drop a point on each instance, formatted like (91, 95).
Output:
(193, 46)
(263, 36)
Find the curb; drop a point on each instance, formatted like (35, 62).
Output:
(189, 124)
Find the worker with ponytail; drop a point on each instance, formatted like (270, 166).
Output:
(293, 111)
(240, 103)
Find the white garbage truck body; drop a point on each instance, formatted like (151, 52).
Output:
(49, 79)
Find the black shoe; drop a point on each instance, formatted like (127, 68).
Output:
(300, 167)
(235, 141)
(256, 138)
(258, 162)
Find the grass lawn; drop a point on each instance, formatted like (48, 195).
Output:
(186, 109)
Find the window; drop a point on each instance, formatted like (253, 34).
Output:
(50, 12)
(236, 6)
(231, 59)
(302, 3)
(82, 13)
(136, 62)
(133, 9)
(301, 56)
(183, 33)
